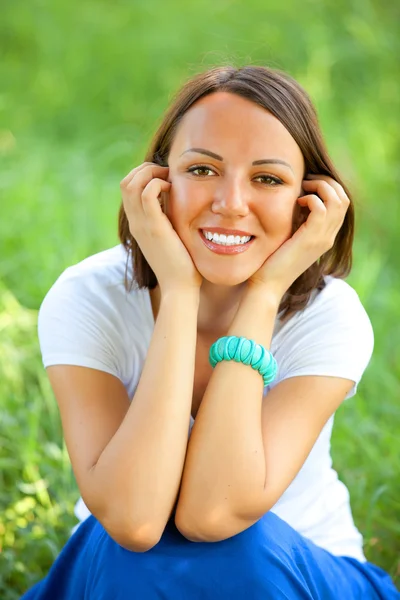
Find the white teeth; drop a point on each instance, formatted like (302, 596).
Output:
(223, 240)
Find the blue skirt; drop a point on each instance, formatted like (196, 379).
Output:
(267, 561)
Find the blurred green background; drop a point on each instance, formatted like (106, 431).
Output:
(83, 86)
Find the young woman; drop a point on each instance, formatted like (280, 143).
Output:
(223, 310)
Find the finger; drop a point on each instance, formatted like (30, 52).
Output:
(129, 176)
(318, 231)
(325, 223)
(144, 176)
(325, 191)
(126, 180)
(335, 184)
(150, 196)
(315, 205)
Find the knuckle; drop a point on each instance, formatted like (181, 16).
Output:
(341, 194)
(151, 167)
(319, 203)
(150, 187)
(134, 184)
(324, 184)
(124, 182)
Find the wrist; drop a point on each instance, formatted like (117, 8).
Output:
(189, 295)
(268, 295)
(256, 315)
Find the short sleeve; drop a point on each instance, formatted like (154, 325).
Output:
(77, 325)
(332, 337)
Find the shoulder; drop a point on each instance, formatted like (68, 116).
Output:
(332, 336)
(335, 290)
(97, 281)
(104, 269)
(90, 299)
(89, 318)
(336, 305)
(338, 310)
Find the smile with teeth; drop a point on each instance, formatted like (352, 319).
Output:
(224, 240)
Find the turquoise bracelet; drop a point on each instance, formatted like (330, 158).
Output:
(241, 349)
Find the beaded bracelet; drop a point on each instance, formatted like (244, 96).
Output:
(241, 349)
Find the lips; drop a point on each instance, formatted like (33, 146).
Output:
(226, 231)
(220, 249)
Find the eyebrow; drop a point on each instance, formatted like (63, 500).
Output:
(262, 161)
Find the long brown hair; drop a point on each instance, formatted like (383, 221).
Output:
(281, 95)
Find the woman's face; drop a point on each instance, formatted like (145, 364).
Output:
(231, 188)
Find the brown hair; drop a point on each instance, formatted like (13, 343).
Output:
(281, 95)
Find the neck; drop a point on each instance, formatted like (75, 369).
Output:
(218, 307)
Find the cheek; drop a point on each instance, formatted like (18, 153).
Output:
(277, 217)
(185, 198)
(179, 192)
(180, 204)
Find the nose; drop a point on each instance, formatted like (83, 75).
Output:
(230, 199)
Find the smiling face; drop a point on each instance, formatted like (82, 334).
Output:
(231, 187)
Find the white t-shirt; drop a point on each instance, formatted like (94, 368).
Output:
(88, 319)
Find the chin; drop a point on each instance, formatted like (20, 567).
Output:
(229, 280)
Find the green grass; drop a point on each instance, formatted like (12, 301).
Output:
(83, 86)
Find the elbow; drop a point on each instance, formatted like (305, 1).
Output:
(136, 541)
(133, 539)
(125, 531)
(132, 525)
(184, 530)
(194, 528)
(223, 525)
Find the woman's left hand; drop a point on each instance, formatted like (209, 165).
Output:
(328, 204)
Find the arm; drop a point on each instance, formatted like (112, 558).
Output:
(128, 459)
(244, 452)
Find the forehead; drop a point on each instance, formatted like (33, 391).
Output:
(228, 124)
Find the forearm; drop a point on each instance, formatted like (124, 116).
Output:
(139, 471)
(225, 465)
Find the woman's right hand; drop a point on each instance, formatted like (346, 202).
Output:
(153, 231)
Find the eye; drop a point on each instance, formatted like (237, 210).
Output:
(200, 168)
(275, 180)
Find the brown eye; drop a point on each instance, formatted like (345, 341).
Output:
(270, 178)
(200, 168)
